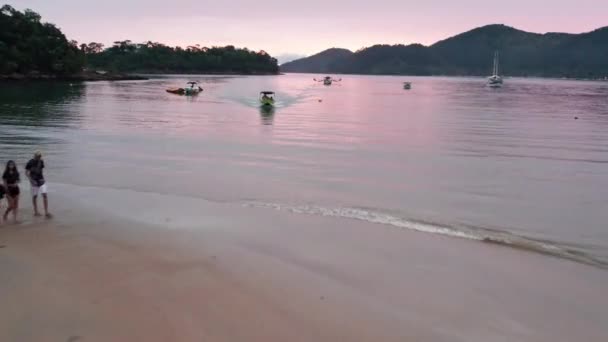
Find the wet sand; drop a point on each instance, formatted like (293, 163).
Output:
(124, 266)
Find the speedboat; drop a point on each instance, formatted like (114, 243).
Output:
(495, 81)
(328, 80)
(191, 89)
(267, 98)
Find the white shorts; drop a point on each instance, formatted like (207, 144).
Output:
(36, 190)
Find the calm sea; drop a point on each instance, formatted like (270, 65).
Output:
(450, 156)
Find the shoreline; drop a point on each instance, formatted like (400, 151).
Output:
(211, 73)
(95, 77)
(198, 270)
(456, 76)
(81, 77)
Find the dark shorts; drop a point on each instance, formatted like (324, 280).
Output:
(13, 190)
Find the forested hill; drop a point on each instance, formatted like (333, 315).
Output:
(151, 57)
(471, 53)
(30, 48)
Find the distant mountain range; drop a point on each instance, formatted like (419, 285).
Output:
(288, 57)
(471, 53)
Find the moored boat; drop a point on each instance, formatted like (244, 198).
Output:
(495, 81)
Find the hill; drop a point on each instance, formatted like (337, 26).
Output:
(470, 53)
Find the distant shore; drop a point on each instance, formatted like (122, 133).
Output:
(605, 79)
(81, 76)
(254, 73)
(91, 76)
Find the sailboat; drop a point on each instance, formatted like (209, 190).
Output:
(495, 81)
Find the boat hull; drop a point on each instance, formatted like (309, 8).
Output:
(185, 91)
(495, 82)
(177, 91)
(267, 103)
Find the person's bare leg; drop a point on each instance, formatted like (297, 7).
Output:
(45, 199)
(15, 207)
(35, 204)
(8, 210)
(11, 205)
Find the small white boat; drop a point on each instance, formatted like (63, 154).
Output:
(495, 81)
(407, 85)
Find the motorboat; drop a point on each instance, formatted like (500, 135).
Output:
(192, 88)
(267, 98)
(327, 80)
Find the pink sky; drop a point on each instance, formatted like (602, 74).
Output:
(306, 27)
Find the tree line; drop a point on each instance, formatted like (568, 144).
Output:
(153, 57)
(27, 45)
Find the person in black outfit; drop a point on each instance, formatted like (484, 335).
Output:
(11, 183)
(34, 171)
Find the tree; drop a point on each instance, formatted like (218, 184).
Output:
(28, 45)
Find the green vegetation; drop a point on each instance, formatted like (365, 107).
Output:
(30, 47)
(150, 57)
(521, 54)
(27, 45)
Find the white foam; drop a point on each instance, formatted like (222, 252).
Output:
(478, 234)
(368, 216)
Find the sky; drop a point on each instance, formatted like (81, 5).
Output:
(293, 29)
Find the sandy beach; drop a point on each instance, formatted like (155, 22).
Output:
(104, 270)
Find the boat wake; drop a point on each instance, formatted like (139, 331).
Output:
(497, 237)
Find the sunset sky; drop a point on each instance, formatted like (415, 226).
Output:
(306, 27)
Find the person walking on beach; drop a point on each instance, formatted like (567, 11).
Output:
(11, 180)
(34, 170)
